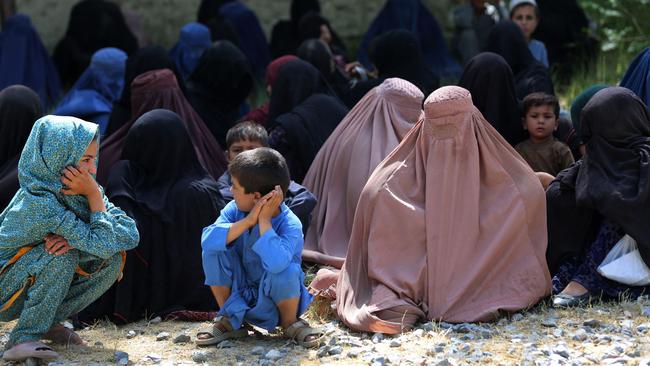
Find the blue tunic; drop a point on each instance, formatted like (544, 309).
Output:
(260, 270)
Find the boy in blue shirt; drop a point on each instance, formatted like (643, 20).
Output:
(252, 255)
(526, 14)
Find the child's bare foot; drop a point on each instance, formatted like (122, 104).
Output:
(61, 335)
(303, 333)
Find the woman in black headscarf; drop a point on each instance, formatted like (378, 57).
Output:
(145, 59)
(285, 35)
(489, 79)
(507, 40)
(20, 107)
(395, 54)
(598, 200)
(314, 25)
(316, 52)
(171, 197)
(302, 114)
(93, 24)
(218, 87)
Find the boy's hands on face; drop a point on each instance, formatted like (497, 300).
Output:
(253, 215)
(56, 244)
(272, 204)
(78, 181)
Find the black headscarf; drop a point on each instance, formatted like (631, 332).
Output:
(396, 54)
(171, 198)
(489, 79)
(310, 27)
(612, 180)
(318, 54)
(507, 40)
(93, 24)
(297, 80)
(285, 36)
(20, 107)
(218, 86)
(145, 59)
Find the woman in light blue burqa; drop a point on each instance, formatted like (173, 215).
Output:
(61, 240)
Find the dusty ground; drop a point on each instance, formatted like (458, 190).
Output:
(614, 333)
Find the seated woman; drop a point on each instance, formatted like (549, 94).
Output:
(160, 89)
(161, 189)
(20, 107)
(507, 40)
(92, 96)
(594, 203)
(302, 114)
(194, 39)
(637, 76)
(450, 226)
(489, 79)
(372, 129)
(61, 237)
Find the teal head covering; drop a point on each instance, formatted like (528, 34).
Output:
(39, 207)
(580, 102)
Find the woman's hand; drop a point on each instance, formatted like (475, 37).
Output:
(56, 244)
(78, 182)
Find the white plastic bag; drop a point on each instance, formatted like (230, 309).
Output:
(624, 264)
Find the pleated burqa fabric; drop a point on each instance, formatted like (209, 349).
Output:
(451, 226)
(372, 129)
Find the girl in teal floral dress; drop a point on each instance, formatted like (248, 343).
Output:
(60, 239)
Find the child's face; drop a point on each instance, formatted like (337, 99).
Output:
(245, 201)
(526, 19)
(540, 122)
(241, 146)
(89, 159)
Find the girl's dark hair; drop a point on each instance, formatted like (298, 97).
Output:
(260, 170)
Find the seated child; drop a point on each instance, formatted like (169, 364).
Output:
(542, 151)
(61, 237)
(526, 14)
(247, 136)
(251, 255)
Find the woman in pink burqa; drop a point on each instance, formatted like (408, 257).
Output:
(451, 226)
(372, 129)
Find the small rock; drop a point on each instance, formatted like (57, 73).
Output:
(561, 350)
(418, 333)
(131, 334)
(182, 338)
(377, 338)
(378, 361)
(549, 322)
(155, 320)
(121, 357)
(98, 344)
(336, 350)
(395, 343)
(265, 362)
(627, 314)
(322, 352)
(592, 323)
(444, 362)
(31, 361)
(162, 336)
(225, 344)
(445, 325)
(199, 357)
(258, 351)
(152, 357)
(580, 335)
(643, 328)
(354, 353)
(274, 355)
(634, 353)
(616, 361)
(517, 317)
(427, 327)
(558, 333)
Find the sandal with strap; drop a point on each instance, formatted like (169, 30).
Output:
(300, 331)
(23, 351)
(220, 331)
(59, 334)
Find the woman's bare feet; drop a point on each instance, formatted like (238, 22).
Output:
(61, 335)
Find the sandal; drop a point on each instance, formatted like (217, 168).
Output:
(23, 351)
(220, 331)
(59, 334)
(300, 331)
